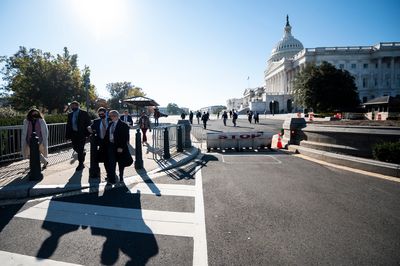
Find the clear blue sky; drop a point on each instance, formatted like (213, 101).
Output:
(192, 53)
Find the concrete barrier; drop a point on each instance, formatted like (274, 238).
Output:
(238, 140)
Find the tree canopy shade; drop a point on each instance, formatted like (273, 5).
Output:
(325, 88)
(35, 78)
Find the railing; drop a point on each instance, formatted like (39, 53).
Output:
(10, 140)
(158, 139)
(198, 135)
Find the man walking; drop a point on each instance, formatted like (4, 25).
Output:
(234, 118)
(117, 151)
(204, 118)
(77, 131)
(224, 117)
(191, 117)
(99, 127)
(126, 118)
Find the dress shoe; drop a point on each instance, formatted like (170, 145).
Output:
(80, 167)
(45, 165)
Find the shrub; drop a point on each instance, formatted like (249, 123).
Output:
(387, 152)
(58, 118)
(12, 121)
(7, 112)
(19, 119)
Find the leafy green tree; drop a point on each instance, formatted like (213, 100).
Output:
(120, 91)
(219, 109)
(325, 88)
(35, 78)
(173, 109)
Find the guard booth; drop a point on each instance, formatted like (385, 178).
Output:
(239, 140)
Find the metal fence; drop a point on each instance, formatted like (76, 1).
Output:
(10, 140)
(198, 135)
(158, 139)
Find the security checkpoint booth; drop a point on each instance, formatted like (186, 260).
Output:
(239, 140)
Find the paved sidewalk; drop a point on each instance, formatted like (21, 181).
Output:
(61, 177)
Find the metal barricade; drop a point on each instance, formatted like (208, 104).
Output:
(198, 135)
(158, 139)
(10, 140)
(10, 143)
(238, 140)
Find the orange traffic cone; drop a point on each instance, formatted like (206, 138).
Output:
(279, 144)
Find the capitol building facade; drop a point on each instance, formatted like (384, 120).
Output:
(376, 71)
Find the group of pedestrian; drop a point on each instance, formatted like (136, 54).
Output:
(111, 133)
(255, 116)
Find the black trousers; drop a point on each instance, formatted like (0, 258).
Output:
(78, 144)
(111, 163)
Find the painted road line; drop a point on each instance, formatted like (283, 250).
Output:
(114, 218)
(12, 259)
(163, 189)
(272, 159)
(200, 256)
(354, 170)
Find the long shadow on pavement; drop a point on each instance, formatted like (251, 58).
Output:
(139, 247)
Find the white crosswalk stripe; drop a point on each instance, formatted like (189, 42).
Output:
(12, 259)
(184, 224)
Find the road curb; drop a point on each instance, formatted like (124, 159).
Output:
(30, 191)
(368, 165)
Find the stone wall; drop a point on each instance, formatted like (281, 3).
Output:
(349, 140)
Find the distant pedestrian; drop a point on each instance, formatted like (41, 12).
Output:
(77, 131)
(230, 113)
(204, 118)
(157, 115)
(126, 118)
(34, 122)
(218, 115)
(256, 118)
(144, 124)
(117, 150)
(191, 117)
(224, 117)
(234, 118)
(249, 116)
(198, 116)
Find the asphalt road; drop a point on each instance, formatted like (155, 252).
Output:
(255, 208)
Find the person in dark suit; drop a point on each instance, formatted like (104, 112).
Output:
(99, 127)
(116, 142)
(77, 131)
(127, 118)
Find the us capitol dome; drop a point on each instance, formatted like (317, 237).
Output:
(287, 47)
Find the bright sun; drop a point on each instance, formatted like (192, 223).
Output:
(101, 17)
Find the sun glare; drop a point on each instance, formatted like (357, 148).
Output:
(101, 17)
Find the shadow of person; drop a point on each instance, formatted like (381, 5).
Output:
(139, 244)
(56, 229)
(143, 174)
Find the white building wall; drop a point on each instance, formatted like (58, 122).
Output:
(376, 70)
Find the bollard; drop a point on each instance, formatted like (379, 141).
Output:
(179, 139)
(94, 170)
(138, 151)
(167, 155)
(34, 161)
